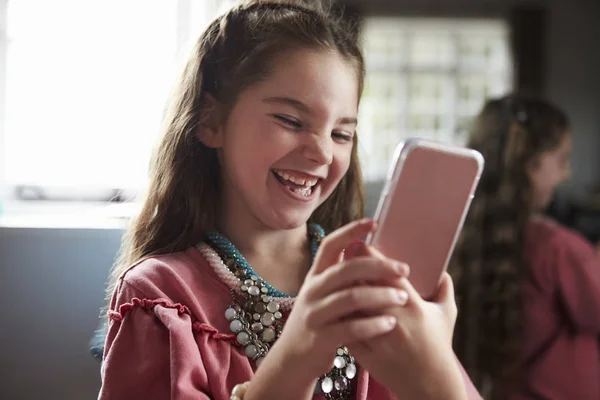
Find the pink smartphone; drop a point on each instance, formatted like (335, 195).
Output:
(423, 206)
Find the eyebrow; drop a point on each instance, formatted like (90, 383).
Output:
(304, 108)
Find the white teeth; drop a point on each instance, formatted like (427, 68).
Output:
(303, 192)
(308, 183)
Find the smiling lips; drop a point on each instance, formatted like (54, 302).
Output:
(302, 185)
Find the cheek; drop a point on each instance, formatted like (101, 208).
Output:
(250, 144)
(341, 162)
(542, 184)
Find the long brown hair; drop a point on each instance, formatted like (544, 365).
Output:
(488, 265)
(236, 50)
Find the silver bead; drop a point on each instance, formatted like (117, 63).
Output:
(243, 338)
(236, 325)
(341, 383)
(278, 315)
(267, 319)
(339, 362)
(265, 299)
(264, 289)
(260, 308)
(327, 385)
(268, 335)
(251, 351)
(244, 288)
(340, 351)
(254, 278)
(248, 282)
(350, 371)
(230, 314)
(257, 327)
(256, 316)
(273, 306)
(254, 290)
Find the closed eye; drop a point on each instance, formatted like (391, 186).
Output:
(342, 136)
(288, 121)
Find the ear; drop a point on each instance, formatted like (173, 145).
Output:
(209, 131)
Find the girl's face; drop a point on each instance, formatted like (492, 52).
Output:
(288, 139)
(549, 170)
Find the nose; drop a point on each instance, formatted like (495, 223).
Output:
(319, 148)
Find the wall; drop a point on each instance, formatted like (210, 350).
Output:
(51, 288)
(574, 82)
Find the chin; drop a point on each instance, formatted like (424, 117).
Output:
(288, 221)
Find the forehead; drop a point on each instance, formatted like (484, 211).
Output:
(321, 79)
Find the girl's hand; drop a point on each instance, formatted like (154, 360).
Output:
(415, 360)
(332, 308)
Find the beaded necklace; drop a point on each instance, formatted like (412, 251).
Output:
(256, 314)
(244, 270)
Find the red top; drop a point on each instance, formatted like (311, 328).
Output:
(168, 336)
(561, 348)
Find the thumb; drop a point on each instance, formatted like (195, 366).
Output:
(445, 294)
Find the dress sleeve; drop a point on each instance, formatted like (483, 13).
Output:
(151, 351)
(577, 270)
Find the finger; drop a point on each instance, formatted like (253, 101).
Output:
(358, 249)
(355, 249)
(413, 296)
(445, 294)
(373, 252)
(348, 273)
(361, 350)
(334, 243)
(367, 300)
(363, 328)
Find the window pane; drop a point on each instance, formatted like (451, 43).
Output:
(431, 49)
(87, 85)
(446, 70)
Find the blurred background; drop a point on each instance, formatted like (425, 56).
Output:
(83, 84)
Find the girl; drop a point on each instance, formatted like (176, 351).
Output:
(258, 159)
(528, 289)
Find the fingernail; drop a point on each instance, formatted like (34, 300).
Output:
(402, 297)
(401, 268)
(391, 322)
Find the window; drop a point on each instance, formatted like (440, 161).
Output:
(86, 86)
(427, 78)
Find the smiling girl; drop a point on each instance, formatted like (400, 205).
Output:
(228, 286)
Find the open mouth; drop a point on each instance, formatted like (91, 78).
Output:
(300, 186)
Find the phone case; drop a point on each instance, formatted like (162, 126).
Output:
(423, 206)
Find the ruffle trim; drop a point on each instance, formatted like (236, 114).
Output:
(148, 304)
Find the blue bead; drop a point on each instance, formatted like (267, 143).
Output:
(225, 246)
